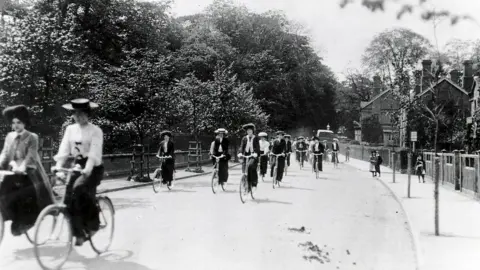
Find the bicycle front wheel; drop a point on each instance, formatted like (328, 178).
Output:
(214, 182)
(102, 239)
(52, 252)
(244, 189)
(157, 180)
(274, 180)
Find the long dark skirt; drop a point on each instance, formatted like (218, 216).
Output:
(168, 167)
(263, 164)
(377, 168)
(223, 170)
(81, 201)
(319, 161)
(252, 170)
(288, 160)
(19, 200)
(281, 167)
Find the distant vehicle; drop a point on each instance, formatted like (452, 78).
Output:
(325, 134)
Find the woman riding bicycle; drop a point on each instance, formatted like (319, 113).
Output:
(301, 147)
(24, 194)
(264, 149)
(250, 146)
(84, 142)
(318, 148)
(289, 148)
(220, 147)
(167, 151)
(279, 147)
(335, 150)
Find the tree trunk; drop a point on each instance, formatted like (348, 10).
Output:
(437, 182)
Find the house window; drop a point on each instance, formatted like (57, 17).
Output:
(428, 157)
(470, 162)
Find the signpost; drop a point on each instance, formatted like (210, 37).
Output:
(413, 139)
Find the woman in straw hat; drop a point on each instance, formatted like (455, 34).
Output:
(220, 147)
(264, 149)
(82, 141)
(27, 192)
(167, 149)
(250, 146)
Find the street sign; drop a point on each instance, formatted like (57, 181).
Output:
(413, 136)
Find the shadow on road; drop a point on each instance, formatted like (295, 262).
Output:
(179, 191)
(262, 201)
(296, 188)
(124, 203)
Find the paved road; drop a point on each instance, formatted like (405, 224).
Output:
(351, 222)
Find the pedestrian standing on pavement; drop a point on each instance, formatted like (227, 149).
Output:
(420, 168)
(335, 150)
(318, 148)
(347, 153)
(250, 146)
(279, 147)
(167, 149)
(373, 161)
(378, 162)
(264, 150)
(220, 147)
(289, 149)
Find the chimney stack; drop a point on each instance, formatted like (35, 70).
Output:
(455, 76)
(467, 75)
(427, 76)
(418, 81)
(377, 85)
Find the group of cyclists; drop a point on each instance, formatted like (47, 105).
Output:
(275, 152)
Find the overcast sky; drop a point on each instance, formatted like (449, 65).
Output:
(341, 35)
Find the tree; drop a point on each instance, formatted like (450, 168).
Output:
(428, 12)
(372, 130)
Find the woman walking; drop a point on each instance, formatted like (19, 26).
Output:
(420, 168)
(373, 161)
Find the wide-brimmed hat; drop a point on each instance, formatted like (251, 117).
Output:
(19, 111)
(249, 126)
(221, 130)
(301, 138)
(335, 139)
(165, 132)
(288, 136)
(280, 132)
(80, 104)
(262, 134)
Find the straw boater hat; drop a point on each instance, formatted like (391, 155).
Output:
(19, 111)
(288, 136)
(80, 104)
(221, 130)
(301, 138)
(280, 132)
(263, 134)
(165, 132)
(335, 139)
(249, 126)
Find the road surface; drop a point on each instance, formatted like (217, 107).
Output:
(351, 222)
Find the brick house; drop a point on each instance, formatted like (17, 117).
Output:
(382, 105)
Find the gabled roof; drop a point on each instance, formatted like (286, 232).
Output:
(363, 105)
(439, 82)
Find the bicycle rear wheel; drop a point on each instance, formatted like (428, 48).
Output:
(274, 180)
(102, 239)
(214, 182)
(157, 180)
(48, 218)
(316, 170)
(243, 188)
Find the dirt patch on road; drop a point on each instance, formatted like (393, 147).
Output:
(299, 230)
(315, 253)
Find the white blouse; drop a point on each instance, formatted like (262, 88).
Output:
(91, 147)
(264, 146)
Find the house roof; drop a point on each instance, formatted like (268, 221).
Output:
(439, 82)
(363, 105)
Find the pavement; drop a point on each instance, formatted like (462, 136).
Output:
(458, 245)
(343, 220)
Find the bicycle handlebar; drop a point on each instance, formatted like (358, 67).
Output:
(159, 157)
(317, 154)
(277, 155)
(249, 156)
(217, 158)
(303, 151)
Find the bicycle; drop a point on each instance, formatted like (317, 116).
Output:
(275, 171)
(245, 186)
(104, 205)
(301, 158)
(259, 167)
(215, 174)
(335, 159)
(157, 182)
(27, 233)
(317, 172)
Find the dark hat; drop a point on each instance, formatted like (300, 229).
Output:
(80, 104)
(248, 126)
(280, 132)
(165, 132)
(315, 138)
(287, 136)
(19, 111)
(374, 152)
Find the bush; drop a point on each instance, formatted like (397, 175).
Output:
(355, 142)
